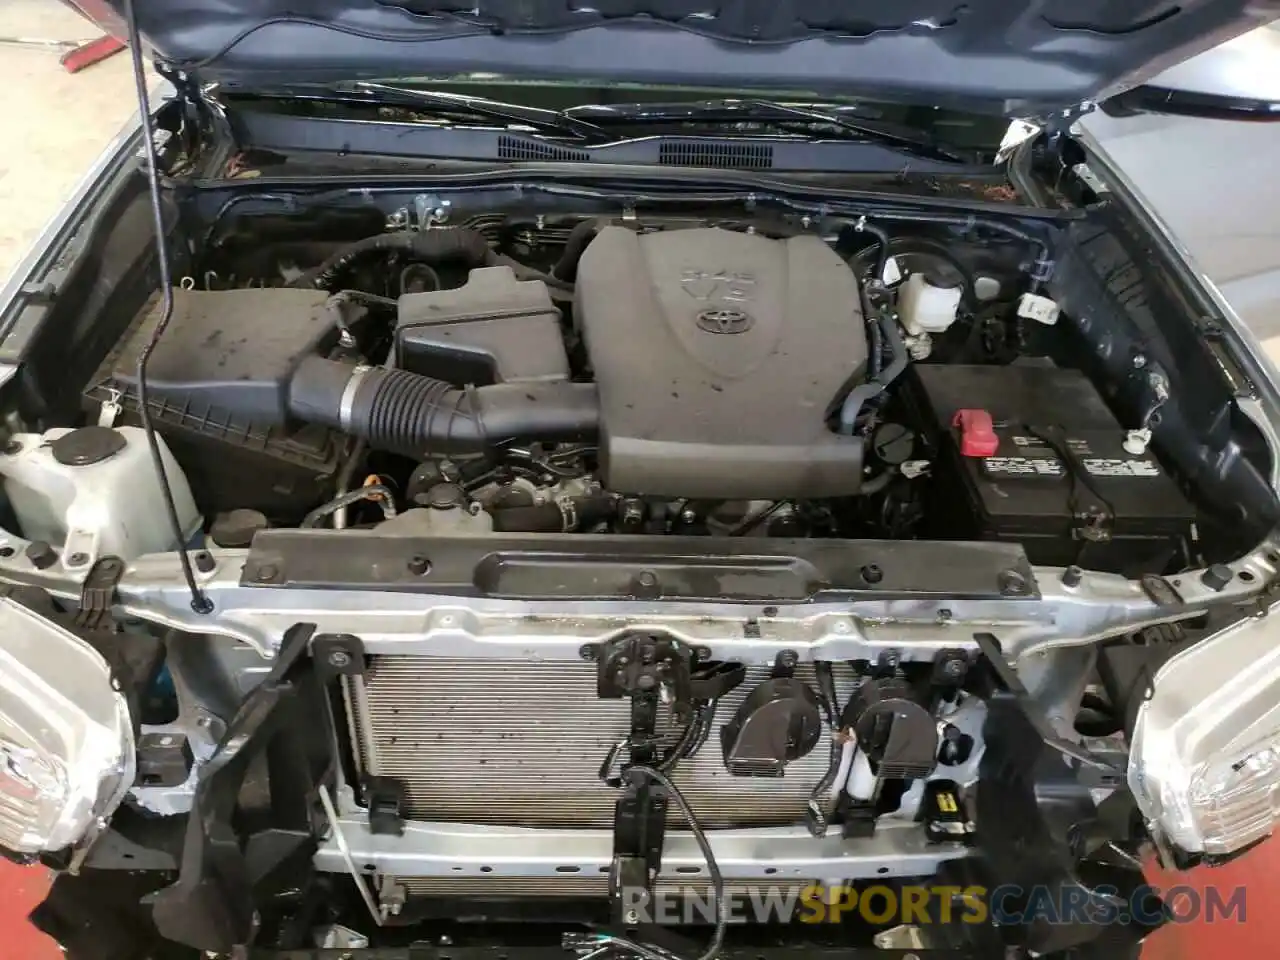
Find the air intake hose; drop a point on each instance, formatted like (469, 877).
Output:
(402, 412)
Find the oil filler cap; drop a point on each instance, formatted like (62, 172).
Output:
(977, 433)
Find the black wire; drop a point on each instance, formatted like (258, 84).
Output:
(704, 845)
(815, 812)
(1077, 476)
(694, 736)
(746, 526)
(199, 602)
(377, 492)
(253, 28)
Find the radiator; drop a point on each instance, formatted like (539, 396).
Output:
(520, 743)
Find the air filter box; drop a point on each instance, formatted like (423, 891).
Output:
(218, 387)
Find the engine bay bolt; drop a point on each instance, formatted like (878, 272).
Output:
(688, 516)
(647, 578)
(339, 658)
(204, 561)
(41, 554)
(1072, 576)
(266, 573)
(1012, 583)
(588, 651)
(955, 669)
(1139, 361)
(77, 559)
(418, 565)
(1217, 577)
(702, 652)
(871, 573)
(788, 659)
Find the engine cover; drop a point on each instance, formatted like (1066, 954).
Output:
(718, 356)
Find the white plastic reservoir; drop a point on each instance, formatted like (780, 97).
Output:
(926, 308)
(93, 491)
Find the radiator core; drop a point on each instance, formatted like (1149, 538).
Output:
(520, 743)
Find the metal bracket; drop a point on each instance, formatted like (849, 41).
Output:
(338, 655)
(385, 797)
(639, 831)
(647, 665)
(1008, 678)
(98, 593)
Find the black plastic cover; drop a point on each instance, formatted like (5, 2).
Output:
(229, 350)
(718, 356)
(492, 329)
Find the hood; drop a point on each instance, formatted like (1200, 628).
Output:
(1020, 58)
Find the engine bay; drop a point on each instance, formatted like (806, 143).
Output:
(664, 375)
(565, 554)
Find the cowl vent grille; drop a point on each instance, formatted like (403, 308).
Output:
(513, 148)
(747, 156)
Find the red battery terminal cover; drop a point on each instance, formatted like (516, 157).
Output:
(977, 433)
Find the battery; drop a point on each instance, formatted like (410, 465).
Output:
(1037, 458)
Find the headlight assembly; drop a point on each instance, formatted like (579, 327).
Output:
(66, 738)
(1204, 762)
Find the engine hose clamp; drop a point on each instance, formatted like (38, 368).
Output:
(610, 760)
(815, 819)
(568, 514)
(349, 394)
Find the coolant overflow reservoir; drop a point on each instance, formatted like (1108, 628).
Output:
(926, 307)
(94, 491)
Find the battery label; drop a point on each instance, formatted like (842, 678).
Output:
(1023, 466)
(1073, 444)
(1107, 467)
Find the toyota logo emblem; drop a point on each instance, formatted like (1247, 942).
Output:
(724, 321)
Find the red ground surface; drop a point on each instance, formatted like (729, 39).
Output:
(23, 888)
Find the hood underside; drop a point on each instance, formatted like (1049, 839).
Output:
(1028, 59)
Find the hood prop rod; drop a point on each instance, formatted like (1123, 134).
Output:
(199, 602)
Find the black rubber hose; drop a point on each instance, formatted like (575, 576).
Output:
(401, 412)
(882, 246)
(446, 243)
(864, 392)
(437, 245)
(566, 267)
(575, 513)
(875, 348)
